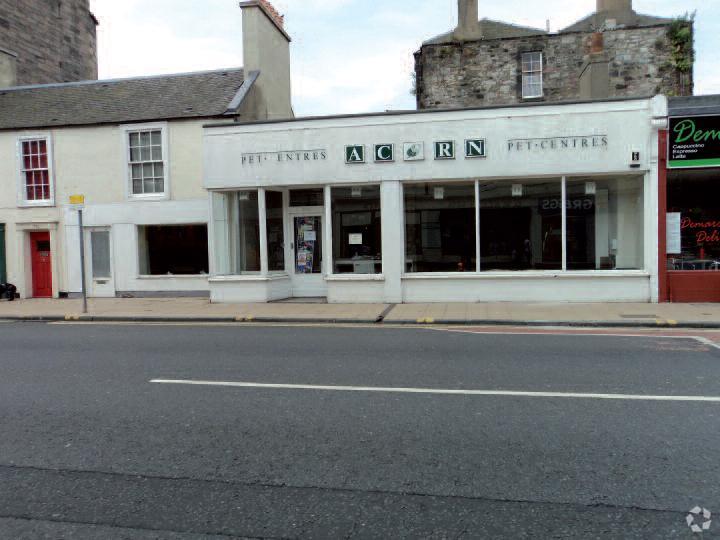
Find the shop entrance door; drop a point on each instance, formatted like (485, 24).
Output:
(41, 264)
(307, 255)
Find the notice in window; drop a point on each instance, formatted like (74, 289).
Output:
(674, 236)
(310, 236)
(355, 240)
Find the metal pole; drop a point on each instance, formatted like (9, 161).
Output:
(82, 260)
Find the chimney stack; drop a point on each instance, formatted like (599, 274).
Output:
(595, 72)
(8, 69)
(266, 52)
(614, 5)
(468, 25)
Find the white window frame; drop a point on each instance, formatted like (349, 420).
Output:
(22, 200)
(125, 131)
(526, 73)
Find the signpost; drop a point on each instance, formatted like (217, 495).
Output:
(77, 202)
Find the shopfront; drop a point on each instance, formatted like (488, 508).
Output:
(693, 200)
(541, 203)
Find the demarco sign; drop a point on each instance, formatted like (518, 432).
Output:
(694, 142)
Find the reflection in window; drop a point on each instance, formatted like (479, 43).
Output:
(356, 230)
(521, 225)
(275, 236)
(172, 249)
(605, 224)
(248, 242)
(440, 227)
(695, 195)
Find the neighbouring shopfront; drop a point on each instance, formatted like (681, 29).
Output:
(693, 200)
(541, 203)
(3, 264)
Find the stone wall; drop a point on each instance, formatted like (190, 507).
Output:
(480, 73)
(55, 39)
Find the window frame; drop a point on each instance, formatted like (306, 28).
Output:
(125, 131)
(528, 73)
(22, 200)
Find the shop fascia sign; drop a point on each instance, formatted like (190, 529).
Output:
(694, 141)
(356, 154)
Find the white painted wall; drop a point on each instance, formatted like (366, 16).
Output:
(91, 161)
(628, 126)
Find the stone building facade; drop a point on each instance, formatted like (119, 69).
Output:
(49, 41)
(612, 53)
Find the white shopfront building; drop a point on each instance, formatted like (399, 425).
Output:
(526, 204)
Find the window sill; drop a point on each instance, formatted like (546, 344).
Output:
(541, 274)
(172, 276)
(247, 277)
(355, 277)
(148, 198)
(39, 204)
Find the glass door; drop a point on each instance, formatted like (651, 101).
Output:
(307, 252)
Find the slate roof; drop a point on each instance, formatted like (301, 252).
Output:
(694, 105)
(490, 29)
(187, 95)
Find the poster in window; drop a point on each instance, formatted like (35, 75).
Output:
(674, 233)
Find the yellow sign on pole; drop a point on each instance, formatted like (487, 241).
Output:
(77, 199)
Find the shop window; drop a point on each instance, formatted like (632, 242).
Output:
(521, 225)
(695, 195)
(440, 232)
(248, 233)
(356, 230)
(605, 223)
(173, 249)
(275, 234)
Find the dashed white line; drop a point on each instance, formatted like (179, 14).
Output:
(436, 391)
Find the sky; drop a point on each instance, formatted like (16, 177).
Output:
(347, 56)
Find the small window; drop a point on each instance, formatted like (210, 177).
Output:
(35, 171)
(532, 75)
(146, 162)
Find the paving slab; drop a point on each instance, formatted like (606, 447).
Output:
(200, 309)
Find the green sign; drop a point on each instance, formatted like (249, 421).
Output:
(384, 153)
(475, 148)
(445, 150)
(694, 142)
(355, 153)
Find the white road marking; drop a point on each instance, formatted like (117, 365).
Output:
(552, 332)
(437, 391)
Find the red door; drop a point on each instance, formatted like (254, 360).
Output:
(41, 264)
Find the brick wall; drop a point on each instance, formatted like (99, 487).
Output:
(478, 73)
(55, 39)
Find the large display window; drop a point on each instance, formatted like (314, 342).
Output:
(521, 225)
(356, 230)
(694, 199)
(605, 223)
(566, 224)
(440, 231)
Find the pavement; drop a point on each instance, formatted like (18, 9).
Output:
(93, 448)
(199, 310)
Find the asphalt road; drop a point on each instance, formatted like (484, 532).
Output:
(90, 448)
